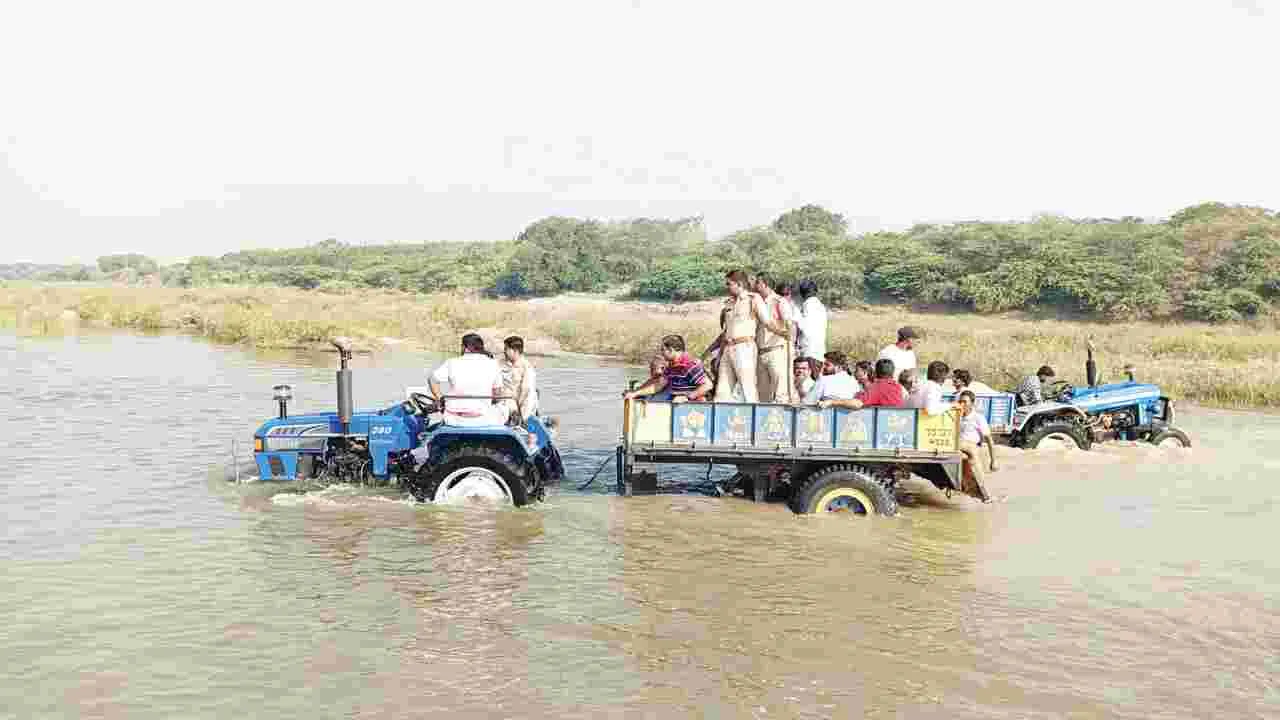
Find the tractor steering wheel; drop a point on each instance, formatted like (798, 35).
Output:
(424, 404)
(1059, 390)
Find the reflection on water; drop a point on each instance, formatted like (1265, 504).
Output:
(1129, 581)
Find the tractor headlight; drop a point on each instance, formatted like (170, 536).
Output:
(282, 392)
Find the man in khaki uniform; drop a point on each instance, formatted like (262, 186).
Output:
(773, 368)
(738, 341)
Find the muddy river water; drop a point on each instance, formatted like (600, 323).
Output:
(138, 582)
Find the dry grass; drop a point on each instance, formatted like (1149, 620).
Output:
(1233, 366)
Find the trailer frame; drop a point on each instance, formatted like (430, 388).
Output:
(770, 466)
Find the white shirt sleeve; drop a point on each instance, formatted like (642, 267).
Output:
(815, 392)
(933, 403)
(808, 324)
(442, 374)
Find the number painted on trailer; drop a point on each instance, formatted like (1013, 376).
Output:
(380, 430)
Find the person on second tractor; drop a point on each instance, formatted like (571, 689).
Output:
(1031, 390)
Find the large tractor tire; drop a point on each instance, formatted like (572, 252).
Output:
(1170, 437)
(844, 489)
(475, 472)
(1067, 432)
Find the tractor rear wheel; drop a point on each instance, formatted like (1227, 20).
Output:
(1059, 431)
(848, 489)
(470, 472)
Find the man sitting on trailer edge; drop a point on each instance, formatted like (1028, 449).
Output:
(975, 431)
(683, 378)
(835, 384)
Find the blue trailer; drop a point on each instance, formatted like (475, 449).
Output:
(996, 407)
(817, 460)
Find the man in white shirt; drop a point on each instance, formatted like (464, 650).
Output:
(474, 380)
(928, 394)
(902, 353)
(835, 384)
(812, 322)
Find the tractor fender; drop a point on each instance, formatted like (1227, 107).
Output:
(500, 439)
(1023, 416)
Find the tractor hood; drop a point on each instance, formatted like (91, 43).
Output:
(324, 424)
(1113, 395)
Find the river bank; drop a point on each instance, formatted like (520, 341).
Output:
(1219, 365)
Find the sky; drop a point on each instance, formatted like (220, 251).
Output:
(179, 128)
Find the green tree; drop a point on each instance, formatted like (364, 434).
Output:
(811, 219)
(115, 263)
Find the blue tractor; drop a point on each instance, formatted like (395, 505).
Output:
(1127, 410)
(409, 444)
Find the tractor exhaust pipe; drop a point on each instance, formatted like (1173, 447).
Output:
(344, 382)
(1091, 368)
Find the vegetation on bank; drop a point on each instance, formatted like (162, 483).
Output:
(1209, 262)
(1224, 365)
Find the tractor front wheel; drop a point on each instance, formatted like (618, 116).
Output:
(1058, 433)
(1170, 438)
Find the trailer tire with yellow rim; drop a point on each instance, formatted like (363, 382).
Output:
(842, 489)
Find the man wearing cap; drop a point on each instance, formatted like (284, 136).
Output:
(1030, 391)
(902, 353)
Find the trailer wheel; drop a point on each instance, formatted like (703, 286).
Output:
(844, 489)
(474, 472)
(1170, 437)
(1062, 431)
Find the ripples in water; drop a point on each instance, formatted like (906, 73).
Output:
(1125, 582)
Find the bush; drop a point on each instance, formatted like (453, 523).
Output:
(115, 263)
(839, 286)
(689, 277)
(1210, 305)
(1245, 302)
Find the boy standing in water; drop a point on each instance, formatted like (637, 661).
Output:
(973, 431)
